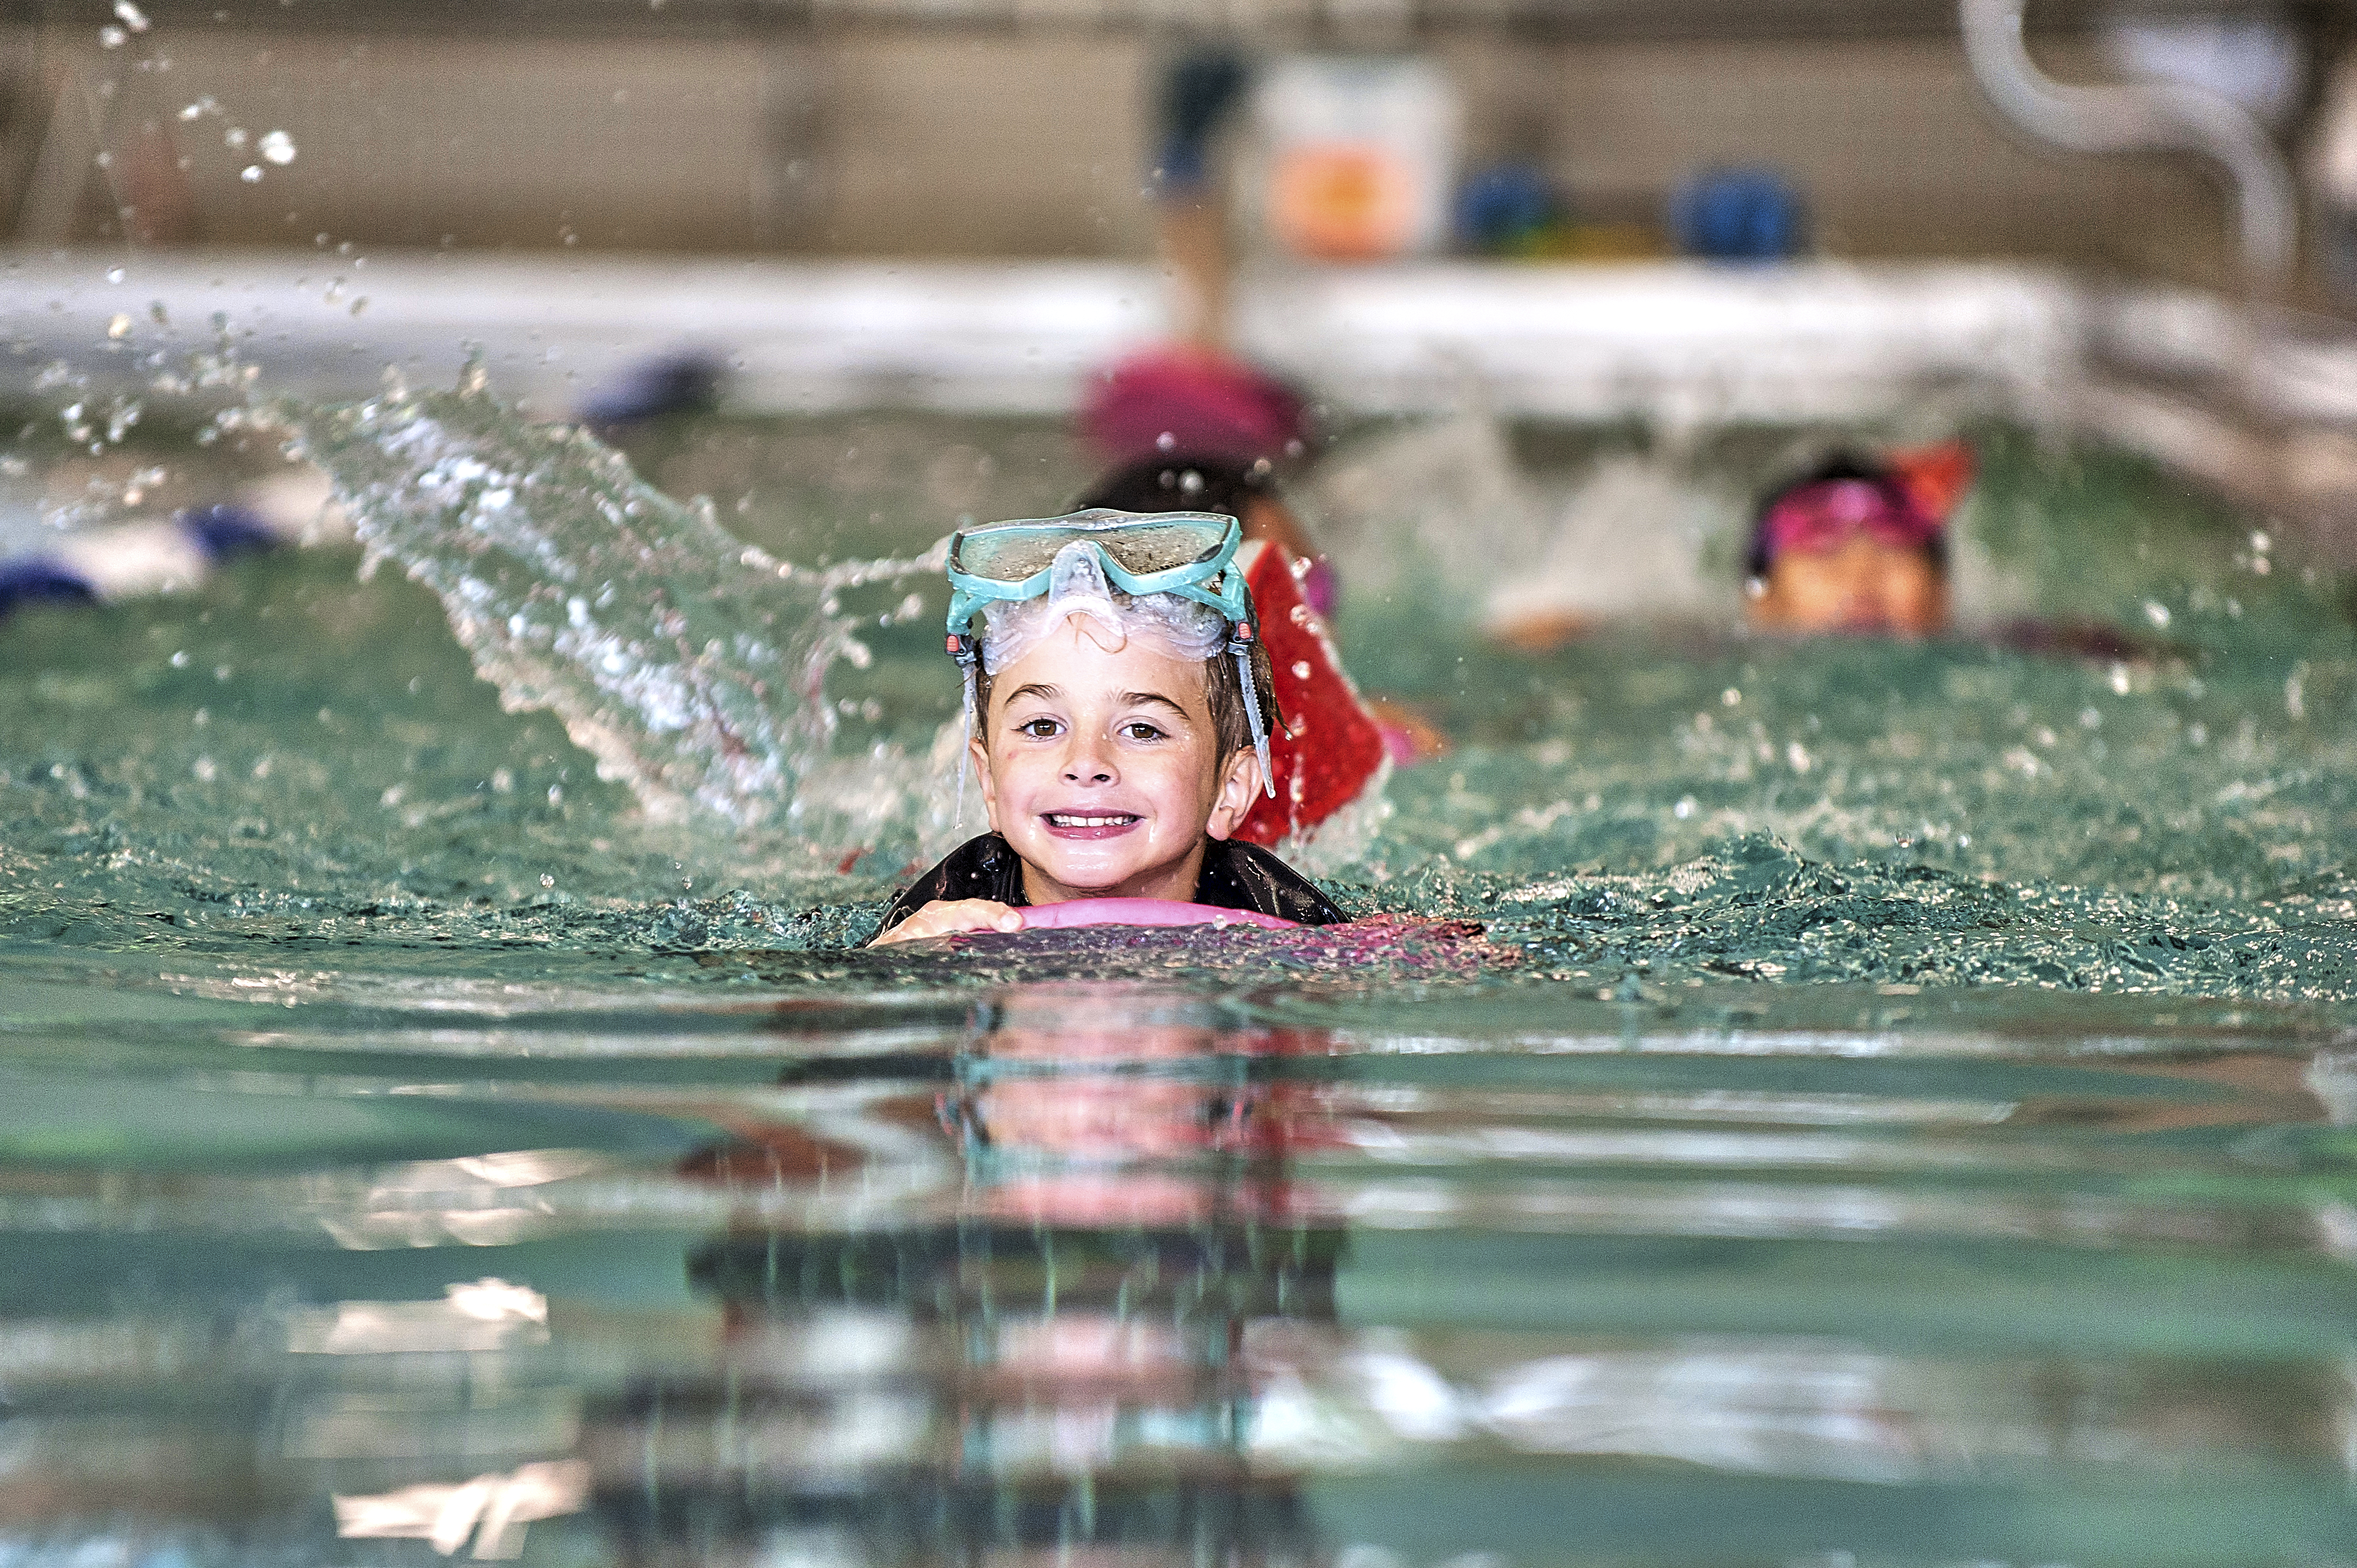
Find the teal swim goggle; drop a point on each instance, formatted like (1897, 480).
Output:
(1190, 554)
(1181, 552)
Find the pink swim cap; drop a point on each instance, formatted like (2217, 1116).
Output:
(1189, 401)
(1819, 517)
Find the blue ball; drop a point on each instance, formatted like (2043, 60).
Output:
(1739, 215)
(1502, 205)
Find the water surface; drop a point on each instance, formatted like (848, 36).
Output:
(1870, 1105)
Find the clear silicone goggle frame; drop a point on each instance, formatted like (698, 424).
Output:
(1182, 553)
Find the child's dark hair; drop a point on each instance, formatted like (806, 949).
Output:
(1840, 466)
(1183, 483)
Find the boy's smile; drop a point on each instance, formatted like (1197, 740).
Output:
(1100, 767)
(1090, 824)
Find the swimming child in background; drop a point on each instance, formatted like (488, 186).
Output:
(1188, 425)
(1119, 704)
(1194, 396)
(1858, 546)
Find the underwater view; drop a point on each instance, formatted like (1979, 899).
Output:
(1824, 1102)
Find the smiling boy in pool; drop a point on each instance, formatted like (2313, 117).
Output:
(1117, 698)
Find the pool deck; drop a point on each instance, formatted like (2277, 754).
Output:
(1822, 340)
(2268, 412)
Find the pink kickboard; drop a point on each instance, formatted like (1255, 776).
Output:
(1143, 912)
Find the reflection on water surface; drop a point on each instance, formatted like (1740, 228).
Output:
(1130, 1272)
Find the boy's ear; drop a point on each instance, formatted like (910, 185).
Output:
(978, 755)
(1240, 786)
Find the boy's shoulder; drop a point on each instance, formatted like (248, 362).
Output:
(1240, 875)
(1235, 876)
(984, 867)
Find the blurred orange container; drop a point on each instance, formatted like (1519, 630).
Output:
(1357, 156)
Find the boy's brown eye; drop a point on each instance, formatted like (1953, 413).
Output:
(1039, 729)
(1139, 729)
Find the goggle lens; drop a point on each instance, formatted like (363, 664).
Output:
(1013, 552)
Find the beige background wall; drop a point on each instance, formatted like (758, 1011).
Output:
(1890, 138)
(867, 141)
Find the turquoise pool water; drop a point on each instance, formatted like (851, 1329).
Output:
(1895, 1109)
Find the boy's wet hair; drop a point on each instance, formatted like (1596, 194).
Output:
(1838, 467)
(1223, 693)
(1182, 482)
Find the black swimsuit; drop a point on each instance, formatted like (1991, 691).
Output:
(1234, 876)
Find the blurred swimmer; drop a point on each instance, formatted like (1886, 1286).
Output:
(1188, 425)
(1193, 397)
(1858, 546)
(1199, 94)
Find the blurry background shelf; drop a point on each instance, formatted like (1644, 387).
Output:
(1247, 18)
(1018, 128)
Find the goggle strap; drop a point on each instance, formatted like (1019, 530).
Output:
(1224, 601)
(1242, 650)
(962, 647)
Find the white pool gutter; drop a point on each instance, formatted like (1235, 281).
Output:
(1680, 345)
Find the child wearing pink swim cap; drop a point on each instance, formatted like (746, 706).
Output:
(1858, 546)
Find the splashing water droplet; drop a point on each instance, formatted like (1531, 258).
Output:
(131, 16)
(120, 327)
(112, 36)
(279, 147)
(698, 679)
(115, 274)
(251, 173)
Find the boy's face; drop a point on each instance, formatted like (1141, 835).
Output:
(1101, 766)
(1860, 586)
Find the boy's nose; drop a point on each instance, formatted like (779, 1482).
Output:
(1087, 763)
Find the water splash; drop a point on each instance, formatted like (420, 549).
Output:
(692, 666)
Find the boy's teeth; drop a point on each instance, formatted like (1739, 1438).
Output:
(1068, 820)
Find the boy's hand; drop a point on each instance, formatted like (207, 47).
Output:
(947, 916)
